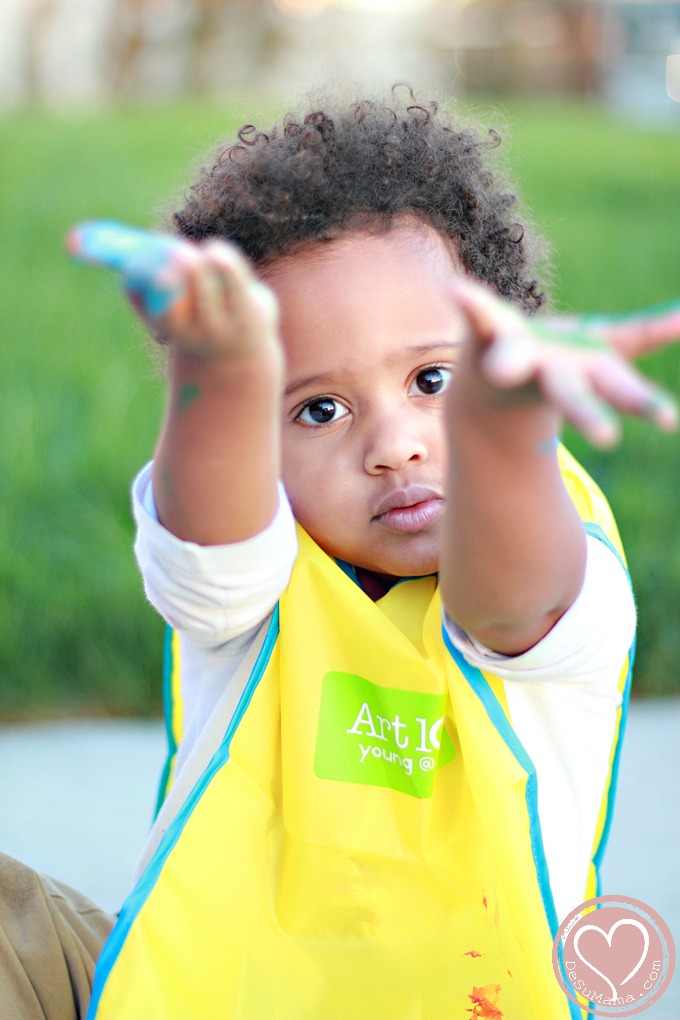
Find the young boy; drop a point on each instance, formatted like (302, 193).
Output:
(374, 815)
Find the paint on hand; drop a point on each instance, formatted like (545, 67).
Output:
(666, 310)
(661, 408)
(548, 446)
(139, 257)
(187, 395)
(577, 335)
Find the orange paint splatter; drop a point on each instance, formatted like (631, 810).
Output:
(485, 1002)
(472, 952)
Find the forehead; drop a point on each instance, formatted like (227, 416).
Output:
(366, 291)
(407, 241)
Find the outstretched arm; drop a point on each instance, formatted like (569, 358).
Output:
(513, 555)
(217, 462)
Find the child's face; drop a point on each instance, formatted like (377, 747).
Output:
(370, 337)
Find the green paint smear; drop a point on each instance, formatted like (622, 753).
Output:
(569, 337)
(660, 311)
(584, 334)
(187, 395)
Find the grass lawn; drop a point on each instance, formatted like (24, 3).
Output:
(81, 399)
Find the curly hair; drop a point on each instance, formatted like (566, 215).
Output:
(362, 165)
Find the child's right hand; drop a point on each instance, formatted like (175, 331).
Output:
(200, 298)
(222, 416)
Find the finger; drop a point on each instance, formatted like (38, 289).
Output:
(486, 314)
(160, 293)
(516, 355)
(212, 291)
(227, 258)
(634, 339)
(211, 275)
(638, 334)
(624, 388)
(564, 385)
(243, 290)
(511, 360)
(160, 302)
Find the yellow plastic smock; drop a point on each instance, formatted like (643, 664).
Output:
(364, 844)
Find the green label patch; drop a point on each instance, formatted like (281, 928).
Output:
(381, 736)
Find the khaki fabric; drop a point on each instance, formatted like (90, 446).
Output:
(50, 938)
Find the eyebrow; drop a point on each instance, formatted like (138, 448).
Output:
(416, 349)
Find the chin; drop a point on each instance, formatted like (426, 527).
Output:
(407, 566)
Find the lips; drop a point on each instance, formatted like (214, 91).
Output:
(409, 510)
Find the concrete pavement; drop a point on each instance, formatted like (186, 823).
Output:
(76, 800)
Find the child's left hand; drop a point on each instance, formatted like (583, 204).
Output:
(579, 365)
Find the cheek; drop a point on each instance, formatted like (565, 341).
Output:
(303, 476)
(432, 431)
(296, 462)
(438, 439)
(315, 479)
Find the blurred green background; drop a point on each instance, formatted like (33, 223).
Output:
(80, 397)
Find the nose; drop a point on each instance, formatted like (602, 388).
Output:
(394, 441)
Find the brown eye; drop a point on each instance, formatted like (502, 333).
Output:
(433, 380)
(322, 411)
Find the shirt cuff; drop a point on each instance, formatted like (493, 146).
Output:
(216, 592)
